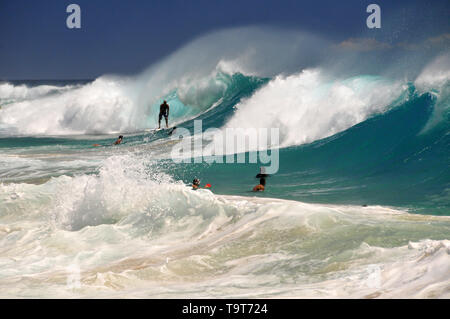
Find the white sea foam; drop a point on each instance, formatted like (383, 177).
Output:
(436, 74)
(131, 230)
(126, 229)
(101, 106)
(435, 78)
(310, 105)
(12, 92)
(113, 104)
(110, 105)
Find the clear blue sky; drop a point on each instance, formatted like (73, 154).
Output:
(125, 36)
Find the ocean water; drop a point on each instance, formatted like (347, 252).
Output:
(360, 206)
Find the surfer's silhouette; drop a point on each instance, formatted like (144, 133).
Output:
(164, 111)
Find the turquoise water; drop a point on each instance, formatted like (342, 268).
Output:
(363, 184)
(385, 160)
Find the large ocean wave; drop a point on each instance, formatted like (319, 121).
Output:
(362, 192)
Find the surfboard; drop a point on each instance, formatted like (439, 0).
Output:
(154, 130)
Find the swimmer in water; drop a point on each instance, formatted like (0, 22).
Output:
(196, 184)
(119, 140)
(262, 180)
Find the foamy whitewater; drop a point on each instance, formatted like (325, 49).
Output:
(360, 207)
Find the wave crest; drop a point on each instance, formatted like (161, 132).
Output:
(308, 106)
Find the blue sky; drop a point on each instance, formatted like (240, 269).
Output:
(125, 36)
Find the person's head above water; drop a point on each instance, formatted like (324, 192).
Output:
(262, 173)
(196, 183)
(119, 140)
(262, 180)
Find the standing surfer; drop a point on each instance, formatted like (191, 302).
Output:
(164, 111)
